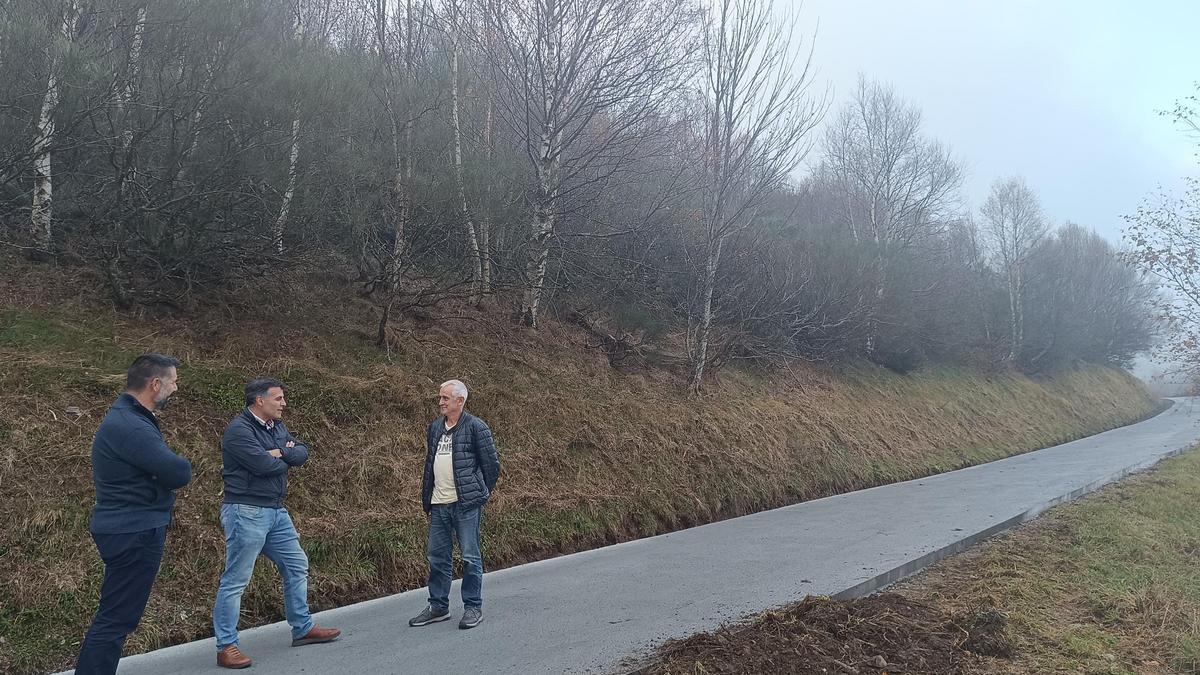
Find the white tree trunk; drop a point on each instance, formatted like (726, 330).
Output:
(542, 229)
(43, 186)
(289, 193)
(477, 253)
(485, 224)
(489, 150)
(402, 145)
(880, 291)
(293, 156)
(549, 150)
(704, 331)
(1016, 312)
(42, 210)
(396, 78)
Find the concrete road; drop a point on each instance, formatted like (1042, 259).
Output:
(599, 610)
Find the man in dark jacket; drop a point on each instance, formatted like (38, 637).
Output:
(135, 475)
(257, 452)
(461, 468)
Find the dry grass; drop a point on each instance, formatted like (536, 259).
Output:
(1106, 585)
(591, 456)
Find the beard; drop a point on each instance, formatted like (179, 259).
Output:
(163, 404)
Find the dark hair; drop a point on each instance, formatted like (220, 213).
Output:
(147, 367)
(259, 386)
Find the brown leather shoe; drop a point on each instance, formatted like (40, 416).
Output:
(316, 635)
(232, 657)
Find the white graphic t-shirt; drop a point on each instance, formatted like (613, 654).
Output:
(443, 470)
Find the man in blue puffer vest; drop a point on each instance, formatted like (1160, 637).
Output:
(461, 468)
(257, 451)
(136, 476)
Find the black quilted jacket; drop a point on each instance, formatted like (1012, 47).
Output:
(476, 465)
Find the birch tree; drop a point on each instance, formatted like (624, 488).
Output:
(1013, 227)
(312, 21)
(489, 82)
(289, 192)
(41, 214)
(758, 112)
(476, 242)
(127, 94)
(898, 189)
(584, 78)
(401, 38)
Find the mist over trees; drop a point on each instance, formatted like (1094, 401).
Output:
(632, 166)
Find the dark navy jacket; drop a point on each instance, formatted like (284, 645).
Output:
(251, 475)
(133, 470)
(476, 465)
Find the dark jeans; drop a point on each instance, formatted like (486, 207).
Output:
(448, 522)
(130, 566)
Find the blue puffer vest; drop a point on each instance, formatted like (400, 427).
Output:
(476, 465)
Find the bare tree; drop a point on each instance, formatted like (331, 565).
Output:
(311, 24)
(758, 113)
(43, 188)
(1013, 227)
(489, 144)
(294, 151)
(401, 40)
(585, 78)
(208, 64)
(898, 188)
(1164, 242)
(476, 242)
(127, 94)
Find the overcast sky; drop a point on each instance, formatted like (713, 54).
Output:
(1065, 93)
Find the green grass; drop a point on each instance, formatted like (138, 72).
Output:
(30, 330)
(1109, 584)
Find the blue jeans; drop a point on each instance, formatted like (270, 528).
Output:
(249, 531)
(130, 566)
(447, 521)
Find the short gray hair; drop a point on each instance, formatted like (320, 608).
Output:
(457, 388)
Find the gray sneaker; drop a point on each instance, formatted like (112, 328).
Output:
(472, 616)
(430, 615)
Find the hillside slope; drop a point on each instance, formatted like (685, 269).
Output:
(591, 456)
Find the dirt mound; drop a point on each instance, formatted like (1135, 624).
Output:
(886, 633)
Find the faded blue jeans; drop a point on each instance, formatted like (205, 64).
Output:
(448, 522)
(249, 531)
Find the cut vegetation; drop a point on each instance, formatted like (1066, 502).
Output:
(591, 455)
(1108, 585)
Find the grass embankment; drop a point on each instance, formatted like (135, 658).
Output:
(591, 456)
(1108, 585)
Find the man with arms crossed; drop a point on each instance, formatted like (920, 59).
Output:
(257, 452)
(136, 476)
(461, 468)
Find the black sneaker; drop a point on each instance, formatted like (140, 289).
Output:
(430, 615)
(472, 616)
